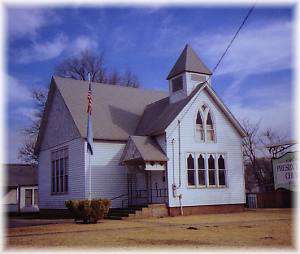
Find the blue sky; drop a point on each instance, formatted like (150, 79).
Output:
(255, 80)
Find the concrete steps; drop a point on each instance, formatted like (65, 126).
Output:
(120, 213)
(153, 210)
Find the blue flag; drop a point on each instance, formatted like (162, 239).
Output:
(89, 121)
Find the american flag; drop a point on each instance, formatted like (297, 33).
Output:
(89, 121)
(90, 100)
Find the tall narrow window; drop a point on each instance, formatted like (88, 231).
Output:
(209, 128)
(59, 171)
(177, 84)
(57, 175)
(201, 171)
(61, 174)
(221, 171)
(191, 170)
(53, 177)
(66, 174)
(36, 197)
(28, 197)
(199, 127)
(205, 126)
(211, 171)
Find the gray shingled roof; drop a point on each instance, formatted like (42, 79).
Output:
(21, 174)
(116, 109)
(188, 61)
(160, 114)
(148, 148)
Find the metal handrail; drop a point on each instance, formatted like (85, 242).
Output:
(119, 196)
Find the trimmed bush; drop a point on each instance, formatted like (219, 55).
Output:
(88, 211)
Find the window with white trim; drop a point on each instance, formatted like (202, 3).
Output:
(59, 171)
(191, 170)
(205, 127)
(199, 127)
(206, 170)
(201, 170)
(28, 197)
(210, 134)
(221, 171)
(211, 171)
(177, 84)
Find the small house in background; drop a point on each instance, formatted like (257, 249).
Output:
(21, 194)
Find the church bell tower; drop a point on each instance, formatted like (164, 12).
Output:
(186, 74)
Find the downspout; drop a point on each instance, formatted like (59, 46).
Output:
(179, 161)
(174, 186)
(19, 199)
(179, 153)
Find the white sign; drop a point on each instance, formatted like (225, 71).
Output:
(284, 170)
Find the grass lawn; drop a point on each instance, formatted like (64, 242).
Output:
(264, 228)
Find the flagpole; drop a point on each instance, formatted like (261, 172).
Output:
(90, 177)
(89, 152)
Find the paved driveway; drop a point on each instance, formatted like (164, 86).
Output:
(21, 222)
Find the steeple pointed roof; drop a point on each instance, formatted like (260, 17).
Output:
(188, 61)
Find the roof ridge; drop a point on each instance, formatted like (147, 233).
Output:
(115, 86)
(151, 104)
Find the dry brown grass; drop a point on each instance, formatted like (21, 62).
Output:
(272, 228)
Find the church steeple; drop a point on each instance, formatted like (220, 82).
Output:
(188, 61)
(186, 74)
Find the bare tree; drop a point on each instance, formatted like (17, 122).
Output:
(250, 147)
(114, 78)
(76, 67)
(130, 79)
(254, 147)
(26, 151)
(250, 142)
(269, 137)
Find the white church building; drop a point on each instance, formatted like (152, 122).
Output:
(181, 149)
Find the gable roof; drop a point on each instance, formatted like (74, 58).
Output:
(188, 61)
(21, 174)
(116, 110)
(159, 115)
(148, 149)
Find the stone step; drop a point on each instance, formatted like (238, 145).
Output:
(113, 217)
(119, 214)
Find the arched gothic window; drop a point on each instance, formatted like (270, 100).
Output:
(221, 171)
(201, 171)
(199, 127)
(205, 127)
(210, 134)
(191, 170)
(211, 171)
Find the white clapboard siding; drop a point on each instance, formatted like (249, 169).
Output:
(228, 141)
(109, 179)
(76, 176)
(60, 126)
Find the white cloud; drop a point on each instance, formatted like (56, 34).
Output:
(277, 116)
(27, 112)
(257, 49)
(27, 21)
(82, 43)
(42, 51)
(17, 91)
(14, 140)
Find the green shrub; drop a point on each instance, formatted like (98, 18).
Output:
(89, 211)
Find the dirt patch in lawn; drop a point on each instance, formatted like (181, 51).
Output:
(265, 228)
